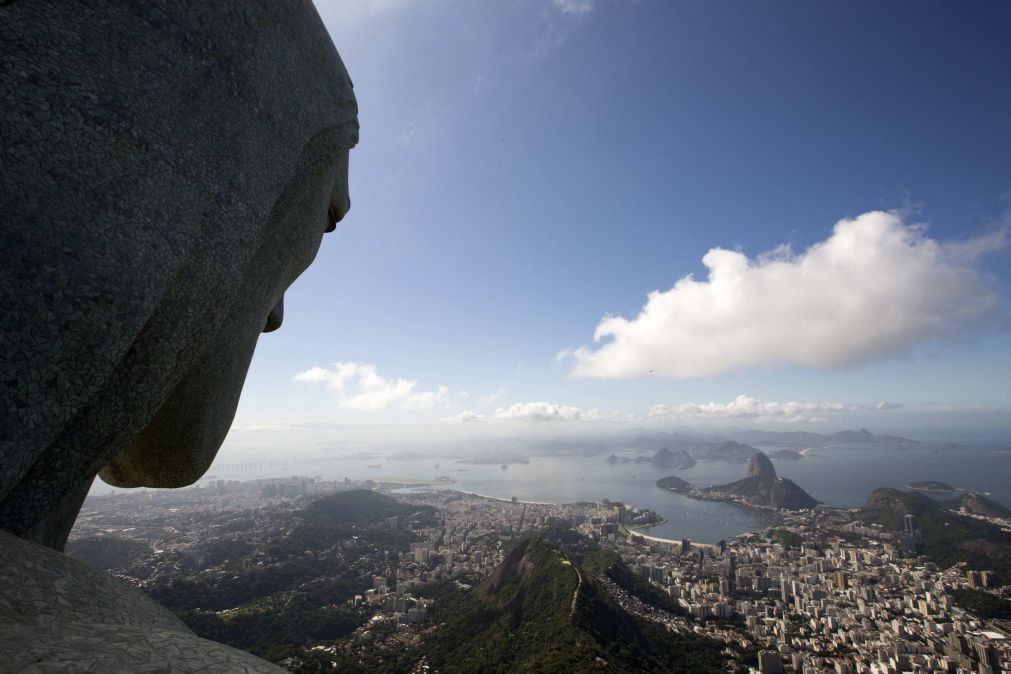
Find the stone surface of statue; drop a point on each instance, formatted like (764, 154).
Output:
(167, 169)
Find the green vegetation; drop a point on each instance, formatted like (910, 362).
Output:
(931, 485)
(274, 631)
(786, 538)
(947, 538)
(597, 561)
(518, 620)
(107, 553)
(603, 562)
(764, 487)
(674, 483)
(362, 507)
(978, 504)
(983, 604)
(233, 587)
(289, 588)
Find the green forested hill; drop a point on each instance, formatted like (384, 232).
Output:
(947, 538)
(289, 586)
(522, 619)
(107, 553)
(361, 507)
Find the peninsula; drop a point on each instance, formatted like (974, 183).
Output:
(763, 487)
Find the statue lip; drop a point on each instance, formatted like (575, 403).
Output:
(336, 211)
(275, 317)
(338, 207)
(331, 220)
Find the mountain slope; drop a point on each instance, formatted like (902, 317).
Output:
(978, 505)
(947, 537)
(763, 487)
(808, 439)
(540, 612)
(361, 507)
(666, 458)
(107, 553)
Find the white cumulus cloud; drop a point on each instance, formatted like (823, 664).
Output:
(573, 7)
(745, 407)
(358, 386)
(538, 411)
(463, 418)
(875, 288)
(886, 405)
(543, 411)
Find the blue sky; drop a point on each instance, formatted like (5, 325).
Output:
(528, 168)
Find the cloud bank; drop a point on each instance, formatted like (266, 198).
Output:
(463, 418)
(745, 407)
(359, 387)
(538, 411)
(875, 288)
(741, 408)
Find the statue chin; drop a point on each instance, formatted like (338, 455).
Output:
(178, 445)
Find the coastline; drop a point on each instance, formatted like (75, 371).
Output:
(636, 527)
(630, 533)
(724, 498)
(507, 500)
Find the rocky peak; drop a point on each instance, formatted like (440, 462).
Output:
(761, 467)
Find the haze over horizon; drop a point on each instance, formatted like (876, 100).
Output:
(573, 217)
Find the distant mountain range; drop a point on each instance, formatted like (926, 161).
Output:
(736, 446)
(740, 446)
(807, 439)
(664, 458)
(681, 451)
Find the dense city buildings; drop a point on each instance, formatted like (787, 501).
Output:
(821, 592)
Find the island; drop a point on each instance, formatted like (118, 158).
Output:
(932, 486)
(492, 459)
(675, 484)
(763, 487)
(664, 458)
(673, 459)
(729, 451)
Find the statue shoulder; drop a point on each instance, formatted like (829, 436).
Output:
(58, 611)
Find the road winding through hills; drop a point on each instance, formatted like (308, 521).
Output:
(579, 583)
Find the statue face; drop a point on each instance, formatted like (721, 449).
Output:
(197, 188)
(178, 445)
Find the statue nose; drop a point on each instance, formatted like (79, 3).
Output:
(275, 317)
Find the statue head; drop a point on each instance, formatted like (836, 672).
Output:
(168, 169)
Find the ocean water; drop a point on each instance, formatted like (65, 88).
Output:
(842, 475)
